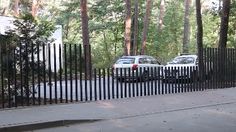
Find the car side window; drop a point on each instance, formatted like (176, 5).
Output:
(197, 61)
(149, 61)
(153, 61)
(189, 60)
(142, 61)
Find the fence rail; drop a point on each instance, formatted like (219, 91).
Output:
(40, 75)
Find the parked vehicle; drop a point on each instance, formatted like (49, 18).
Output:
(140, 67)
(184, 67)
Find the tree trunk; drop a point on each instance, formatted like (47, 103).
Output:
(107, 51)
(186, 27)
(127, 27)
(34, 8)
(224, 24)
(116, 40)
(3, 13)
(145, 26)
(85, 34)
(16, 8)
(67, 28)
(223, 38)
(199, 37)
(160, 19)
(135, 40)
(219, 8)
(161, 16)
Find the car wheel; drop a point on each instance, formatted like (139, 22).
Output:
(164, 80)
(193, 76)
(144, 76)
(120, 79)
(209, 75)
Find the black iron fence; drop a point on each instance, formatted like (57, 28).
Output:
(40, 75)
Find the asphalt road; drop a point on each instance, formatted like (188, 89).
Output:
(203, 111)
(219, 117)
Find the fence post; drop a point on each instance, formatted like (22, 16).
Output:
(113, 84)
(104, 83)
(15, 79)
(76, 73)
(95, 84)
(39, 74)
(71, 79)
(65, 72)
(2, 78)
(80, 72)
(100, 85)
(33, 68)
(44, 75)
(60, 65)
(49, 73)
(55, 72)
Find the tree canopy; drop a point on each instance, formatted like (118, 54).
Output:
(106, 24)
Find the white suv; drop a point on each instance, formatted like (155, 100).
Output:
(184, 67)
(181, 67)
(135, 67)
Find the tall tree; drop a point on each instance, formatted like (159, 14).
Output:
(3, 12)
(16, 8)
(219, 5)
(85, 36)
(145, 25)
(135, 39)
(34, 7)
(224, 24)
(161, 16)
(20, 45)
(199, 36)
(186, 27)
(127, 27)
(223, 38)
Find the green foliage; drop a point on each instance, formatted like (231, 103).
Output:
(19, 45)
(166, 44)
(106, 26)
(29, 30)
(106, 30)
(232, 26)
(68, 15)
(211, 25)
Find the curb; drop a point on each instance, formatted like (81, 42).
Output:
(42, 125)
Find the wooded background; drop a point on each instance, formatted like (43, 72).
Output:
(161, 28)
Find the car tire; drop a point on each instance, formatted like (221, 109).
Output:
(164, 80)
(194, 76)
(144, 76)
(209, 75)
(120, 79)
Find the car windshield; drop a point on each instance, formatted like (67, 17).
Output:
(182, 60)
(125, 61)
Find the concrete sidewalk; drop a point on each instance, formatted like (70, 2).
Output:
(39, 117)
